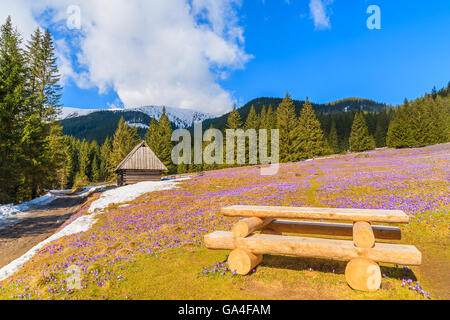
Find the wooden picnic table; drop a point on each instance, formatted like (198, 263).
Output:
(362, 271)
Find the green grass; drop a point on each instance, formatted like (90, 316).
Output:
(177, 274)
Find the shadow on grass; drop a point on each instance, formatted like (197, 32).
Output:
(304, 264)
(398, 273)
(328, 266)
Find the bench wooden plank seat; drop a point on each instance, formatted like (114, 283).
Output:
(368, 215)
(314, 247)
(331, 229)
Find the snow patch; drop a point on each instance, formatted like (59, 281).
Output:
(11, 214)
(137, 124)
(8, 210)
(131, 192)
(67, 112)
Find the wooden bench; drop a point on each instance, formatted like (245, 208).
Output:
(362, 252)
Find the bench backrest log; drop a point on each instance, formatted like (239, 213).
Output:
(368, 215)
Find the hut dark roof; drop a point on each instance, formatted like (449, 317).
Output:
(141, 158)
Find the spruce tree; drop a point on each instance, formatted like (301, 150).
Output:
(233, 122)
(164, 143)
(270, 123)
(81, 178)
(95, 170)
(441, 114)
(211, 166)
(12, 108)
(271, 118)
(43, 94)
(333, 140)
(51, 90)
(360, 140)
(94, 166)
(400, 133)
(381, 130)
(33, 58)
(152, 135)
(286, 123)
(310, 141)
(234, 119)
(106, 170)
(252, 121)
(262, 124)
(57, 154)
(74, 147)
(63, 173)
(125, 139)
(419, 123)
(181, 168)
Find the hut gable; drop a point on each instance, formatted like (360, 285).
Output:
(141, 158)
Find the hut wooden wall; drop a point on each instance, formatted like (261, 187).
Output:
(131, 176)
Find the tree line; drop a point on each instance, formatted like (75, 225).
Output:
(301, 136)
(421, 122)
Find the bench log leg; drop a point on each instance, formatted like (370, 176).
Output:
(363, 236)
(363, 274)
(246, 226)
(242, 261)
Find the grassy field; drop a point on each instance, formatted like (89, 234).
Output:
(152, 247)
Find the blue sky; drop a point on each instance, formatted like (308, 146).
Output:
(408, 56)
(206, 55)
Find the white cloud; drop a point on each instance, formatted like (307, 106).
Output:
(22, 17)
(170, 52)
(319, 14)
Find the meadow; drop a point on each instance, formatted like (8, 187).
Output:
(152, 247)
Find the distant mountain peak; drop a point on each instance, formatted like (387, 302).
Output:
(180, 118)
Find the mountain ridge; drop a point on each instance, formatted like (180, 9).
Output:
(342, 105)
(97, 124)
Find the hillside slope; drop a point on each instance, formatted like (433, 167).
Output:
(152, 247)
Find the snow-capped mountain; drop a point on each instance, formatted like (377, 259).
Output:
(180, 118)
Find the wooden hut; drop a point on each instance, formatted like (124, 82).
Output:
(141, 164)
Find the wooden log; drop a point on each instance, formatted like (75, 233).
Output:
(369, 215)
(363, 274)
(242, 261)
(219, 240)
(314, 247)
(363, 236)
(248, 225)
(331, 229)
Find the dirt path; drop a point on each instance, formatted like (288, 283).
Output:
(35, 226)
(434, 269)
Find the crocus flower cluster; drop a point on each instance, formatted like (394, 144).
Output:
(218, 268)
(411, 286)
